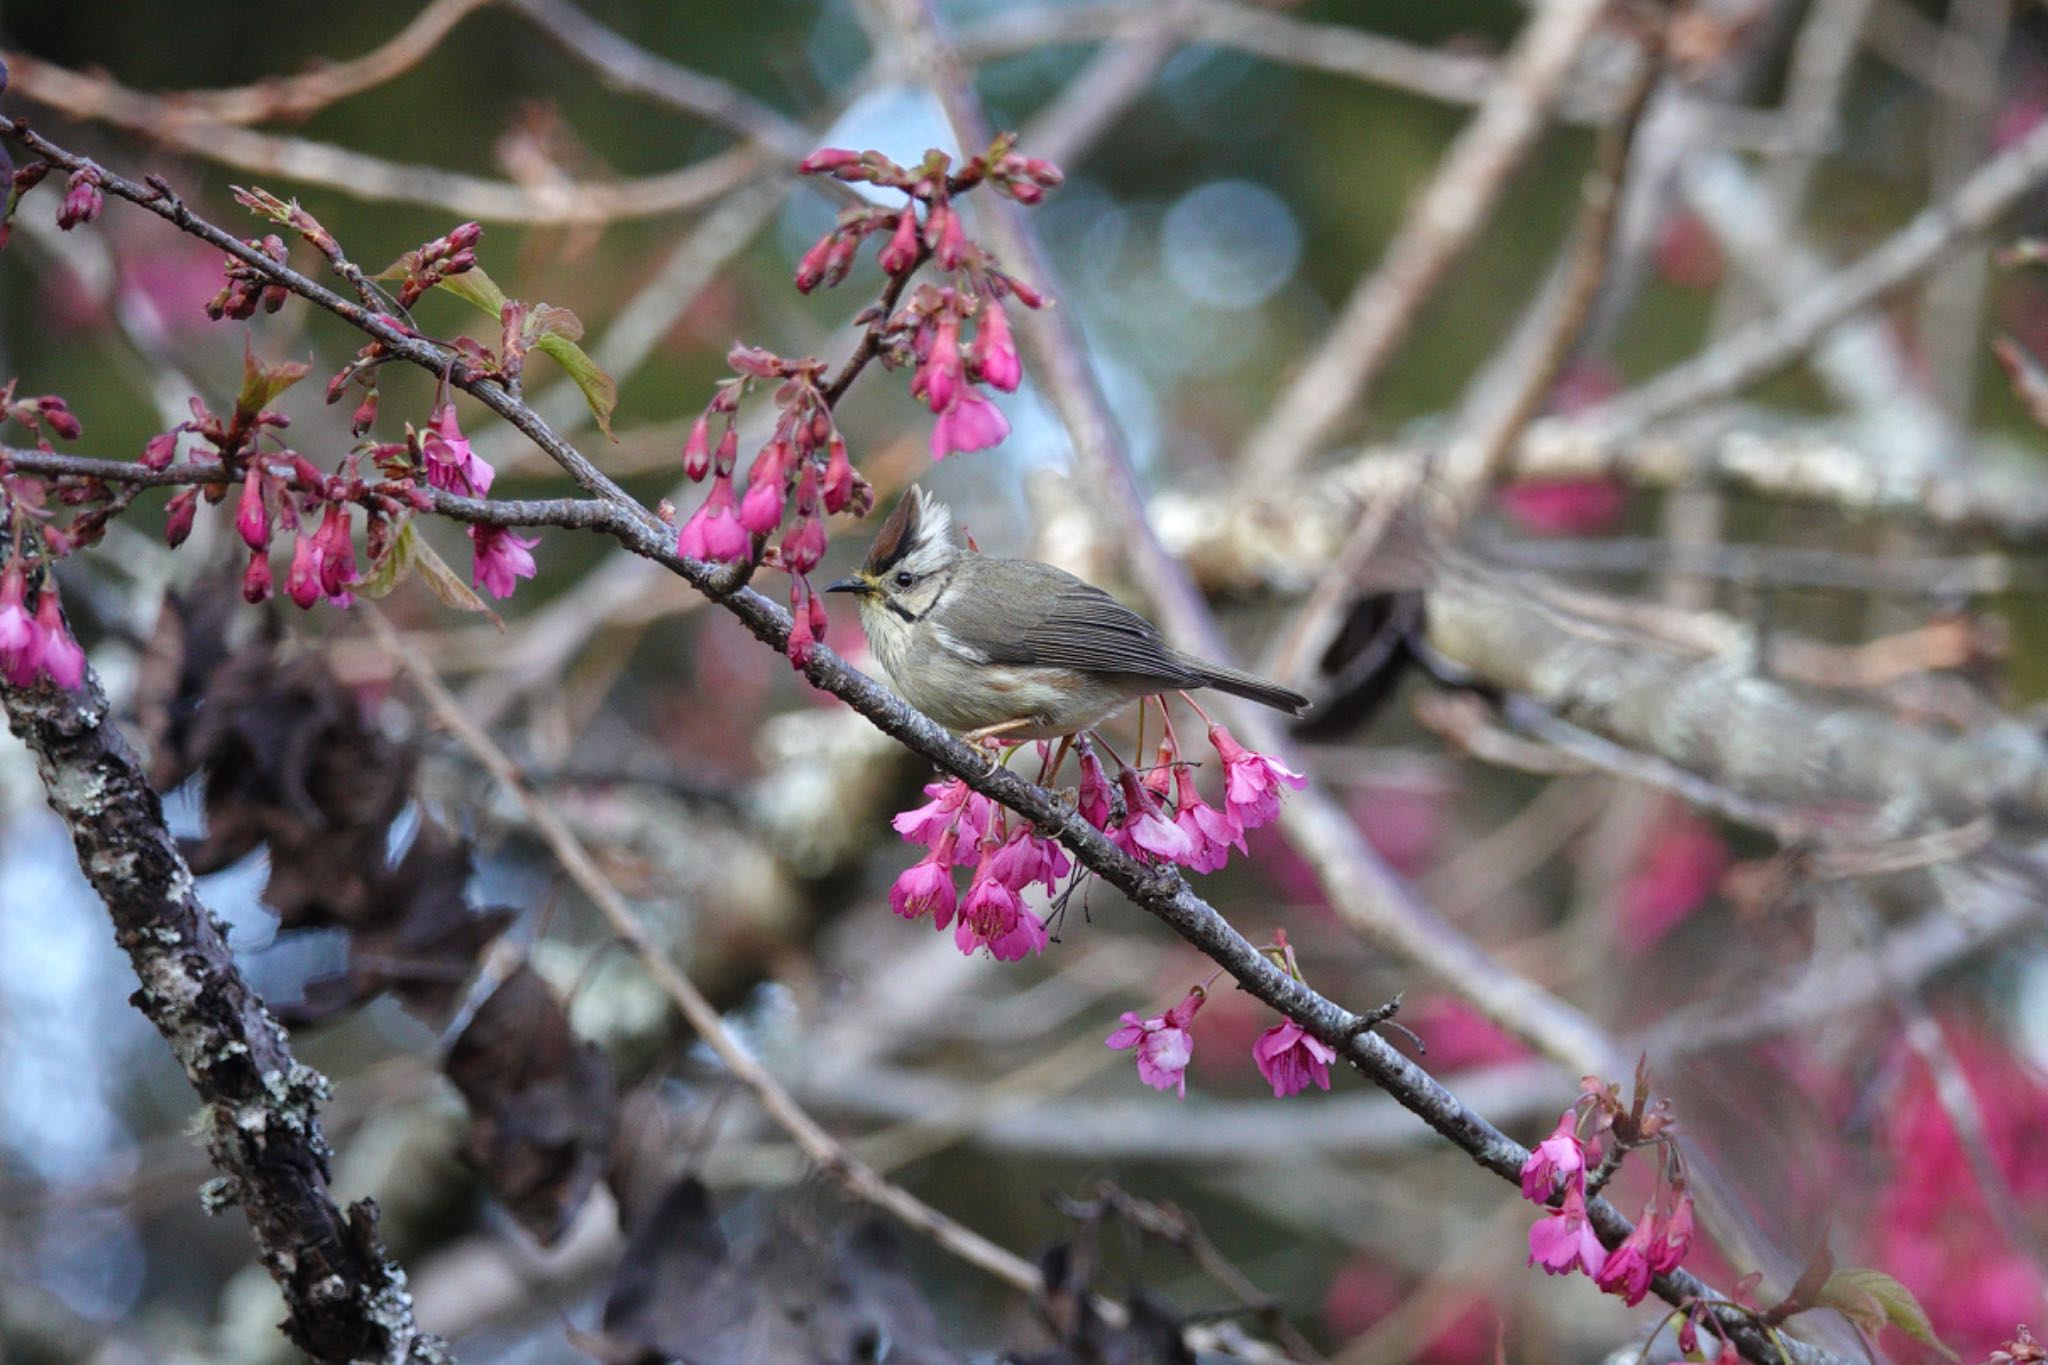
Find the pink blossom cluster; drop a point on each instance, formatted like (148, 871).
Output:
(1289, 1057)
(1164, 817)
(959, 827)
(802, 475)
(1563, 1240)
(929, 332)
(34, 645)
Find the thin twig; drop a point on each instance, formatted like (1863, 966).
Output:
(576, 861)
(1438, 228)
(368, 177)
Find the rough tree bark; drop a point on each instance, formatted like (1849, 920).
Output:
(347, 1301)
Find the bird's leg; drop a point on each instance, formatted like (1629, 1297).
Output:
(989, 732)
(1059, 756)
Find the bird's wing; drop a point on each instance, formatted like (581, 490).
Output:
(1080, 626)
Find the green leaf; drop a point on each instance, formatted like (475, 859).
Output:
(447, 585)
(600, 390)
(1872, 1299)
(387, 573)
(261, 384)
(553, 330)
(475, 287)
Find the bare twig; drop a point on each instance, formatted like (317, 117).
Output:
(1439, 226)
(368, 177)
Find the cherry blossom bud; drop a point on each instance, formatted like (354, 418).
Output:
(63, 662)
(252, 518)
(993, 353)
(365, 414)
(767, 487)
(829, 161)
(804, 546)
(837, 490)
(160, 450)
(941, 376)
(178, 514)
(337, 552)
(20, 642)
(302, 584)
(728, 452)
(82, 199)
(57, 413)
(816, 262)
(942, 232)
(256, 578)
(899, 255)
(697, 449)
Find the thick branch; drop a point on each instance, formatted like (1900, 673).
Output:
(1717, 718)
(347, 1301)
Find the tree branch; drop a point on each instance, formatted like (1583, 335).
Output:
(346, 1299)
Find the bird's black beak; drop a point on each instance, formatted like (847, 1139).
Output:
(849, 585)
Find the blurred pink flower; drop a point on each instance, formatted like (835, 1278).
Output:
(1165, 1047)
(1682, 865)
(1564, 507)
(972, 423)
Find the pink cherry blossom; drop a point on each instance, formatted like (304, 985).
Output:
(926, 886)
(1211, 831)
(1251, 781)
(1290, 1058)
(1628, 1269)
(252, 519)
(1564, 507)
(452, 465)
(767, 489)
(972, 423)
(1562, 1241)
(994, 917)
(1146, 833)
(900, 252)
(994, 354)
(1558, 1159)
(1026, 858)
(1094, 794)
(713, 530)
(20, 641)
(62, 661)
(1164, 1044)
(1674, 1238)
(502, 558)
(926, 824)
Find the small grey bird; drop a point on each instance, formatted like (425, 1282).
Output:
(1012, 647)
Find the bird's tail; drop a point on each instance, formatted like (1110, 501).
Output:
(1250, 688)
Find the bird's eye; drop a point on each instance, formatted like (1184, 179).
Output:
(905, 578)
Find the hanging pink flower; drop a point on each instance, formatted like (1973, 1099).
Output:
(452, 464)
(1559, 1159)
(994, 354)
(713, 531)
(926, 886)
(1164, 1044)
(1627, 1270)
(1146, 833)
(1563, 1241)
(20, 641)
(972, 423)
(63, 662)
(501, 559)
(1290, 1058)
(1252, 781)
